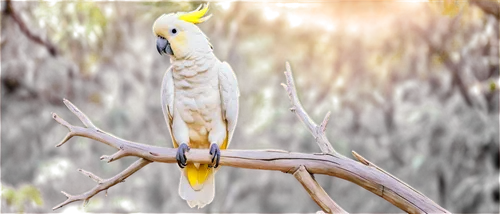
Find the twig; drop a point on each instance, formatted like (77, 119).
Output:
(318, 131)
(102, 184)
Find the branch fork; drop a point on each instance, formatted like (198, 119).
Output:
(301, 165)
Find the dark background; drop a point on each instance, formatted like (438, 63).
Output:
(413, 87)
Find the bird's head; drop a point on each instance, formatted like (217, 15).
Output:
(178, 36)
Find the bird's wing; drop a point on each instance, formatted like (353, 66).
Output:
(228, 87)
(167, 101)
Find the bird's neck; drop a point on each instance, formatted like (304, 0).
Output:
(196, 64)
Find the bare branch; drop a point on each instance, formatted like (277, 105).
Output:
(368, 163)
(90, 175)
(102, 184)
(317, 193)
(368, 176)
(85, 120)
(317, 131)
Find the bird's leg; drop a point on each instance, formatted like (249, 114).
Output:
(215, 152)
(181, 155)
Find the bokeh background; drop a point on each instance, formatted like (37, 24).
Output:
(412, 86)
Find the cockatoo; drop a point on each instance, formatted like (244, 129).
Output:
(199, 98)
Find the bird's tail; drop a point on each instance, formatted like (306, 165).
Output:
(197, 185)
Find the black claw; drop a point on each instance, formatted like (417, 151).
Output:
(181, 155)
(215, 152)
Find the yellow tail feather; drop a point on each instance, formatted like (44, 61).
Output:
(197, 176)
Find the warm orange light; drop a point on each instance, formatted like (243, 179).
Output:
(331, 13)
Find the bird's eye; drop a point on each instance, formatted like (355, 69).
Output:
(174, 31)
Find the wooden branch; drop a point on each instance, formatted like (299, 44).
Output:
(318, 131)
(317, 192)
(364, 173)
(102, 184)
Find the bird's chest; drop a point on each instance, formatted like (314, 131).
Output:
(198, 106)
(197, 100)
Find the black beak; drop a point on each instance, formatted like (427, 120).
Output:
(163, 46)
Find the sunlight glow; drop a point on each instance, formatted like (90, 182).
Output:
(352, 13)
(294, 20)
(225, 5)
(270, 14)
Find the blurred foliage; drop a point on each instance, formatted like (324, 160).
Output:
(54, 169)
(413, 87)
(418, 160)
(20, 197)
(121, 203)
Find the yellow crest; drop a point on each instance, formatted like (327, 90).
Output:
(195, 16)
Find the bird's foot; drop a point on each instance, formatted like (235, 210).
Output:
(181, 155)
(215, 152)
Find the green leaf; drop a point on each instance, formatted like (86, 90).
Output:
(418, 160)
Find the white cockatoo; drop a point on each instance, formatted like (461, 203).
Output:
(199, 98)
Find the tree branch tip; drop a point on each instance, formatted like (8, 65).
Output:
(66, 138)
(66, 194)
(61, 121)
(107, 158)
(287, 65)
(71, 106)
(119, 154)
(96, 178)
(59, 206)
(284, 86)
(360, 158)
(325, 121)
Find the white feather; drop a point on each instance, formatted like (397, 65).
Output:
(167, 101)
(228, 88)
(197, 198)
